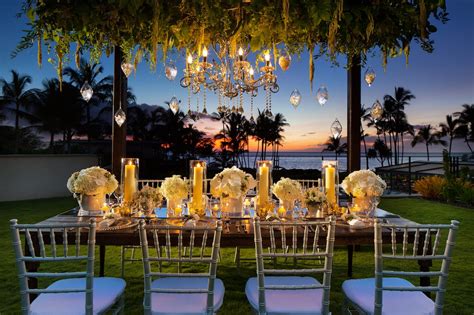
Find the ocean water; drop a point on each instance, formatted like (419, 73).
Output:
(313, 160)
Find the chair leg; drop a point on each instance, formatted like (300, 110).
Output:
(122, 261)
(122, 305)
(237, 257)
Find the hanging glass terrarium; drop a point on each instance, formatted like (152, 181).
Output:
(171, 71)
(376, 111)
(295, 98)
(369, 76)
(120, 116)
(127, 68)
(336, 129)
(174, 105)
(322, 95)
(86, 91)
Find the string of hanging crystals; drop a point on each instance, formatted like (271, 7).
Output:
(252, 119)
(204, 101)
(189, 101)
(241, 102)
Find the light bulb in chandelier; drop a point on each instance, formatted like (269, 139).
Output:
(376, 111)
(322, 95)
(295, 98)
(336, 129)
(86, 91)
(369, 76)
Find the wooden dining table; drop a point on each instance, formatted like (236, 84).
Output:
(237, 233)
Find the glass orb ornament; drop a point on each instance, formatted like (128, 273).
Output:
(86, 91)
(174, 105)
(336, 129)
(284, 61)
(171, 71)
(376, 111)
(322, 95)
(120, 117)
(127, 68)
(295, 98)
(369, 76)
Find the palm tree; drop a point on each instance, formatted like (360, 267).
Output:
(452, 128)
(90, 73)
(334, 145)
(466, 117)
(15, 93)
(364, 116)
(394, 107)
(277, 128)
(429, 136)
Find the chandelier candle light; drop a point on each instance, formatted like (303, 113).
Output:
(330, 175)
(197, 170)
(129, 178)
(264, 178)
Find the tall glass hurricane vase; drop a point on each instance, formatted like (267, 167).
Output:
(330, 175)
(264, 182)
(197, 174)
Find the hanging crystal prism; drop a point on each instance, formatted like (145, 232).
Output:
(86, 91)
(322, 95)
(127, 68)
(174, 105)
(204, 101)
(284, 61)
(295, 98)
(336, 129)
(376, 111)
(171, 71)
(369, 76)
(120, 116)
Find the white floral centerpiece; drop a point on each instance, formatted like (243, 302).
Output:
(314, 199)
(146, 200)
(174, 189)
(231, 186)
(365, 187)
(288, 191)
(89, 187)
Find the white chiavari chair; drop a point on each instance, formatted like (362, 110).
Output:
(77, 292)
(287, 291)
(181, 292)
(389, 292)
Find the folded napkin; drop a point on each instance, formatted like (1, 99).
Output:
(356, 224)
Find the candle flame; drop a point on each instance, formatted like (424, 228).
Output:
(204, 52)
(190, 58)
(251, 71)
(241, 51)
(267, 57)
(198, 164)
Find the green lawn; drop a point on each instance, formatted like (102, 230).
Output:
(458, 299)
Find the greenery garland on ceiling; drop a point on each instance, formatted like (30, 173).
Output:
(146, 28)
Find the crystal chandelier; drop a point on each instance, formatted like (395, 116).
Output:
(230, 78)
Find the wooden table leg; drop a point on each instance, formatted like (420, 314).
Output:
(350, 254)
(101, 260)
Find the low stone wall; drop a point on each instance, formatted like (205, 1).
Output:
(25, 177)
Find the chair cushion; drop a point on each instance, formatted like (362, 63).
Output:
(184, 303)
(106, 292)
(362, 293)
(305, 301)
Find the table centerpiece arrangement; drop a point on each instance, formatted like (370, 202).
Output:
(231, 186)
(365, 187)
(174, 189)
(146, 200)
(89, 186)
(288, 191)
(315, 201)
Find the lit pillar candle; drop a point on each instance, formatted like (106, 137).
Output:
(263, 185)
(129, 182)
(198, 172)
(330, 184)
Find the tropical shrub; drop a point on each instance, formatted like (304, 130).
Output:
(466, 195)
(430, 187)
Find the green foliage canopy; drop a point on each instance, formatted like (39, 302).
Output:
(146, 28)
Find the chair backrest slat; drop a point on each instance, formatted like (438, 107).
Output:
(78, 241)
(306, 228)
(179, 232)
(22, 258)
(422, 250)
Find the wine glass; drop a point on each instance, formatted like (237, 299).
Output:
(118, 194)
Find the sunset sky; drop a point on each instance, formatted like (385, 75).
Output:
(441, 81)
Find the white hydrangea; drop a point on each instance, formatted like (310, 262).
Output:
(364, 183)
(91, 181)
(232, 182)
(174, 187)
(288, 189)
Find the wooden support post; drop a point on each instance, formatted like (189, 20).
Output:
(409, 175)
(119, 134)
(353, 115)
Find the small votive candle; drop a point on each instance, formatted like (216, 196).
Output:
(281, 212)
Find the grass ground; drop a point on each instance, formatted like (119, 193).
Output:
(458, 298)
